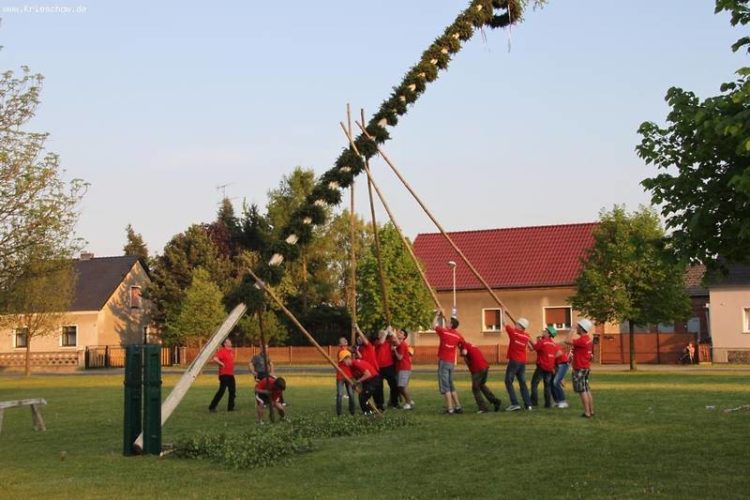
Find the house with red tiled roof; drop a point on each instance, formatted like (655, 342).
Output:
(532, 270)
(107, 309)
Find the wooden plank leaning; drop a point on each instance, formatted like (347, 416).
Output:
(192, 372)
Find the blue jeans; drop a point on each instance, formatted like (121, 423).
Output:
(545, 377)
(517, 370)
(557, 391)
(342, 386)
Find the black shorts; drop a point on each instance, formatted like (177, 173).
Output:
(262, 399)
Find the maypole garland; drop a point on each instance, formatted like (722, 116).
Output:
(327, 191)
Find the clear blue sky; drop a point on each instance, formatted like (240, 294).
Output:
(157, 103)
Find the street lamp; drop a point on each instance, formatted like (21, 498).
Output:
(454, 310)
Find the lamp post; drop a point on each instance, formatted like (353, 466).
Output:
(454, 310)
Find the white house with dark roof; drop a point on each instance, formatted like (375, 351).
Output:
(107, 309)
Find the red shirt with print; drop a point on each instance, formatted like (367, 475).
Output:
(384, 353)
(405, 362)
(267, 385)
(226, 356)
(342, 365)
(518, 342)
(360, 366)
(449, 340)
(545, 354)
(475, 360)
(583, 351)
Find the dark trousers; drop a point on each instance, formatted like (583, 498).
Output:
(225, 382)
(341, 387)
(513, 371)
(546, 377)
(480, 390)
(388, 373)
(372, 388)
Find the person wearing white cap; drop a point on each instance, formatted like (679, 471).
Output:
(583, 352)
(517, 346)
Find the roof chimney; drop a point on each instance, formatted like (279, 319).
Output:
(87, 255)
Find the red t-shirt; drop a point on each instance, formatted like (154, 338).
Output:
(267, 385)
(583, 351)
(563, 356)
(545, 354)
(518, 342)
(360, 366)
(384, 354)
(474, 358)
(342, 365)
(226, 356)
(449, 340)
(405, 362)
(367, 351)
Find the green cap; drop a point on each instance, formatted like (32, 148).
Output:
(551, 330)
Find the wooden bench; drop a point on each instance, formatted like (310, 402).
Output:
(36, 412)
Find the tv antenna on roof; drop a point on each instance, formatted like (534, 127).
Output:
(223, 189)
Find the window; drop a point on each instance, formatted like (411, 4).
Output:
(135, 297)
(21, 337)
(746, 320)
(559, 317)
(69, 336)
(492, 320)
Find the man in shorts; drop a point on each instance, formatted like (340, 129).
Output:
(403, 366)
(583, 352)
(449, 340)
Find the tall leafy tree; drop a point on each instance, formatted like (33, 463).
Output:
(39, 300)
(201, 311)
(172, 273)
(274, 331)
(38, 209)
(630, 275)
(703, 159)
(135, 245)
(408, 299)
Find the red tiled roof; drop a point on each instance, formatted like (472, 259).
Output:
(519, 257)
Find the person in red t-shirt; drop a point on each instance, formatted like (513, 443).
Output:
(449, 340)
(364, 374)
(268, 393)
(366, 351)
(561, 368)
(518, 343)
(387, 364)
(479, 369)
(224, 357)
(403, 367)
(546, 351)
(342, 386)
(583, 350)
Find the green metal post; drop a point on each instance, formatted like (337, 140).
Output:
(152, 399)
(133, 385)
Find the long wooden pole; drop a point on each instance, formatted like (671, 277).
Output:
(381, 273)
(353, 243)
(187, 379)
(437, 224)
(406, 243)
(301, 328)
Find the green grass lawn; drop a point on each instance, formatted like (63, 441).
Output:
(652, 436)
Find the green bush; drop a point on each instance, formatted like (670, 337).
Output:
(273, 444)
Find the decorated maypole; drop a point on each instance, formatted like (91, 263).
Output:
(351, 162)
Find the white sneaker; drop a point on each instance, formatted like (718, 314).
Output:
(407, 406)
(513, 408)
(563, 404)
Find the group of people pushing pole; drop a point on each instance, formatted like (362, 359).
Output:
(387, 357)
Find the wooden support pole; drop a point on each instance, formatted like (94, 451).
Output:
(301, 328)
(192, 372)
(437, 224)
(408, 246)
(353, 247)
